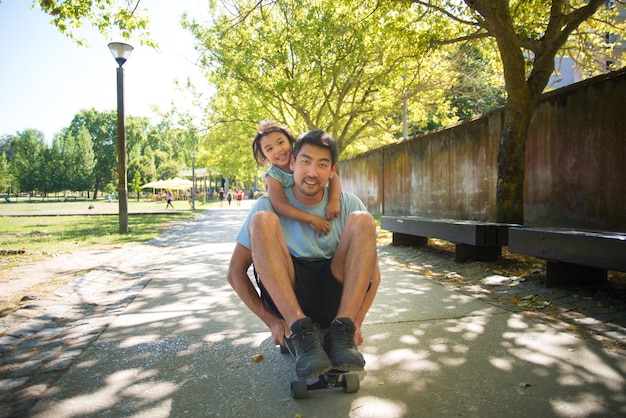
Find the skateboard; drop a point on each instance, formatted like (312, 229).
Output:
(300, 388)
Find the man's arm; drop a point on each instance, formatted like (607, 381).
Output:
(238, 278)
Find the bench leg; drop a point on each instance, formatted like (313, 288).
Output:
(558, 274)
(464, 252)
(408, 240)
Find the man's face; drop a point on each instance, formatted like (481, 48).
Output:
(312, 169)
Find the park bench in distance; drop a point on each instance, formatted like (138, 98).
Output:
(571, 256)
(474, 240)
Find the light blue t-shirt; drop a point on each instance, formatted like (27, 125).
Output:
(285, 179)
(302, 240)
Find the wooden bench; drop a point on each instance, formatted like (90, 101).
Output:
(474, 240)
(571, 256)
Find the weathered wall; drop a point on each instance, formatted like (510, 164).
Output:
(576, 157)
(363, 176)
(450, 173)
(575, 164)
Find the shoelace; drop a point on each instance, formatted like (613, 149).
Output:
(305, 340)
(343, 335)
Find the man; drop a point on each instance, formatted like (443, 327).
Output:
(305, 279)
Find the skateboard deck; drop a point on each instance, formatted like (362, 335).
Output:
(300, 388)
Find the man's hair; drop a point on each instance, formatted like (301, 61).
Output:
(318, 138)
(267, 127)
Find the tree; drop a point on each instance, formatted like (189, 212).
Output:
(6, 179)
(105, 15)
(528, 35)
(102, 128)
(27, 163)
(341, 65)
(479, 87)
(135, 184)
(5, 145)
(76, 160)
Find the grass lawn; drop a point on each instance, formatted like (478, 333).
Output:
(100, 206)
(25, 239)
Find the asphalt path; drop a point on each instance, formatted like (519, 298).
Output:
(160, 333)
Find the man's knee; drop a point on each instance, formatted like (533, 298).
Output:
(361, 222)
(264, 220)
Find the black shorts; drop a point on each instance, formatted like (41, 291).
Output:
(317, 290)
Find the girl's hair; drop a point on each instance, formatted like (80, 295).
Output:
(266, 127)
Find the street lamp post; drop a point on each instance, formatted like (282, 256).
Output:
(121, 52)
(193, 181)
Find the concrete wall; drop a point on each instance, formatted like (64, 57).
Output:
(576, 157)
(575, 164)
(449, 173)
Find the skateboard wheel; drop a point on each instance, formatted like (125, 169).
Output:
(351, 383)
(299, 389)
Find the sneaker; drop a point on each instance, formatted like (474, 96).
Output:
(339, 344)
(311, 359)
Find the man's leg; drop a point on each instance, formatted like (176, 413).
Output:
(355, 265)
(274, 266)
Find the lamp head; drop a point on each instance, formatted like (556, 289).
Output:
(120, 51)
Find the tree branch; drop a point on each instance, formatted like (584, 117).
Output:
(443, 11)
(477, 35)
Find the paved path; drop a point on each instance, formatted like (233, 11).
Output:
(158, 332)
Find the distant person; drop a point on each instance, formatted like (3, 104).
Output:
(239, 195)
(222, 196)
(229, 196)
(168, 198)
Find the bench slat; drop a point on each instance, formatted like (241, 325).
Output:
(460, 232)
(474, 240)
(594, 249)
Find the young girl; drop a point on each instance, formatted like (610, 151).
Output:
(273, 143)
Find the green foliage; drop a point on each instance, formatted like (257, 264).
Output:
(27, 163)
(6, 178)
(343, 66)
(84, 155)
(126, 17)
(102, 127)
(479, 86)
(75, 161)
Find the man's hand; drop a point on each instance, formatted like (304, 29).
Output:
(279, 330)
(358, 336)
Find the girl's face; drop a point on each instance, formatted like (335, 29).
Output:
(277, 149)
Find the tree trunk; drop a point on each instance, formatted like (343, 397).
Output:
(511, 156)
(95, 190)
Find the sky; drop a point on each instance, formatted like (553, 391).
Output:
(46, 78)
